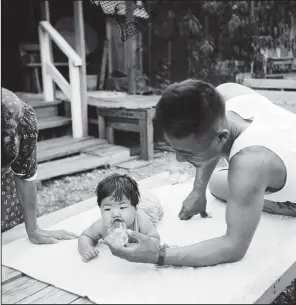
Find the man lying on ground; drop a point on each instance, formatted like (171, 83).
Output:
(256, 137)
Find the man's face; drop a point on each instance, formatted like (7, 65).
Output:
(197, 150)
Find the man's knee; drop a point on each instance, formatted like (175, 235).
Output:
(218, 184)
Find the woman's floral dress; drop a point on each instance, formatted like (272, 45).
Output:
(25, 165)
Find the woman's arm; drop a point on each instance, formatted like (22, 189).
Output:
(27, 195)
(25, 172)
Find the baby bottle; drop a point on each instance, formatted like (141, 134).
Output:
(117, 232)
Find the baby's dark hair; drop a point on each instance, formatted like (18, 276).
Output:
(117, 186)
(189, 107)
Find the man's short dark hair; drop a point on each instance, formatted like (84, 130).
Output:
(189, 107)
(117, 186)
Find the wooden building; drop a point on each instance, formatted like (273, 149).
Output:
(61, 44)
(54, 48)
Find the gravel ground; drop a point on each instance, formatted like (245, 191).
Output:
(59, 193)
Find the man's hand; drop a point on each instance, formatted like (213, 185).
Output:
(145, 250)
(89, 253)
(49, 237)
(194, 204)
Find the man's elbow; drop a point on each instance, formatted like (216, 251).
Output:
(237, 253)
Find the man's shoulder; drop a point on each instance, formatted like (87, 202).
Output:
(252, 162)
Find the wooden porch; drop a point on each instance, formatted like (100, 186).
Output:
(60, 154)
(64, 108)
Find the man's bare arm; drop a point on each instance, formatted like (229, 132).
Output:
(147, 228)
(196, 202)
(203, 175)
(248, 179)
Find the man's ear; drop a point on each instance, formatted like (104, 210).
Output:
(223, 135)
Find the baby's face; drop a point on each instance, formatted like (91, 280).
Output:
(111, 209)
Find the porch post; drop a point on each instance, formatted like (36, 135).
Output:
(131, 52)
(46, 53)
(45, 12)
(80, 49)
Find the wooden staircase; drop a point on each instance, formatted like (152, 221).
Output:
(60, 154)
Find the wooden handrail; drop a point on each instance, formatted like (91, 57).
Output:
(51, 75)
(59, 79)
(61, 43)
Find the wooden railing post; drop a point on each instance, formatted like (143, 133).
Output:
(45, 52)
(131, 50)
(73, 90)
(45, 15)
(76, 105)
(80, 50)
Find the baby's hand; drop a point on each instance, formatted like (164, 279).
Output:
(90, 253)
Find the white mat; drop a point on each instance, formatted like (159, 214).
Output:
(109, 279)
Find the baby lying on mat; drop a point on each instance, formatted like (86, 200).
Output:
(119, 199)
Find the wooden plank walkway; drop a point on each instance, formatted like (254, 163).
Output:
(284, 99)
(283, 84)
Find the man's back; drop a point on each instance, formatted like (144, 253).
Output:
(272, 132)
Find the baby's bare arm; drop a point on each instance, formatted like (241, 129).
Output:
(146, 227)
(90, 236)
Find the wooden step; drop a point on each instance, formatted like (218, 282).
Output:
(42, 109)
(29, 97)
(52, 122)
(64, 146)
(48, 144)
(42, 104)
(69, 166)
(46, 109)
(99, 156)
(116, 154)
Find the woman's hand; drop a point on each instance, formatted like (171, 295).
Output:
(50, 237)
(195, 203)
(145, 250)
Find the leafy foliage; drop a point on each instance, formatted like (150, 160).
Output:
(220, 30)
(215, 31)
